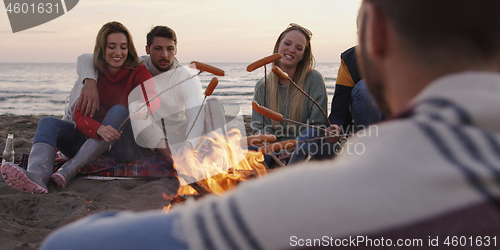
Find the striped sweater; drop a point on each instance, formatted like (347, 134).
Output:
(432, 174)
(429, 178)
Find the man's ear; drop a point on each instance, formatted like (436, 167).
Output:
(147, 49)
(376, 30)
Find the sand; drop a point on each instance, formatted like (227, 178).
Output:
(27, 219)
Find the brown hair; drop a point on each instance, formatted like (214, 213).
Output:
(101, 43)
(304, 67)
(445, 31)
(161, 31)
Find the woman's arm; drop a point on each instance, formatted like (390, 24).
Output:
(87, 125)
(317, 91)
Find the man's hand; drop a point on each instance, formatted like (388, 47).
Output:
(334, 129)
(108, 133)
(89, 98)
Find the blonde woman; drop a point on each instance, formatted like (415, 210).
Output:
(294, 44)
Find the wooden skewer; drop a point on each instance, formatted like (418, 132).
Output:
(208, 91)
(278, 146)
(279, 117)
(282, 75)
(274, 156)
(194, 64)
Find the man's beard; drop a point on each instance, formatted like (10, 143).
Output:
(163, 69)
(371, 75)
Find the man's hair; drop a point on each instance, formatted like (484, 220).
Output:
(446, 29)
(161, 31)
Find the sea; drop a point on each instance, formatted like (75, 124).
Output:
(44, 88)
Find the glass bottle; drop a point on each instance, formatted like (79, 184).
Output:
(8, 153)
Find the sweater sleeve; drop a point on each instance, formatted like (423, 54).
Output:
(342, 96)
(87, 125)
(317, 91)
(85, 67)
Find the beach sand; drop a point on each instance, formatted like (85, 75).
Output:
(27, 219)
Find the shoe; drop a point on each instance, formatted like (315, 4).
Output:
(89, 151)
(35, 178)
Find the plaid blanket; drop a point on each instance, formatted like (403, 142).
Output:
(154, 166)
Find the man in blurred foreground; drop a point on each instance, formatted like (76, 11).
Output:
(431, 172)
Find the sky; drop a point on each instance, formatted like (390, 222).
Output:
(207, 30)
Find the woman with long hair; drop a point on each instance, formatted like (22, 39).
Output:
(120, 72)
(294, 44)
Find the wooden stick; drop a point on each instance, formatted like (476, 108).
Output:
(279, 117)
(282, 75)
(274, 156)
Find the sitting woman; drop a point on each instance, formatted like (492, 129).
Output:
(298, 62)
(116, 59)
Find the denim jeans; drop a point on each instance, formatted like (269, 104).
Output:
(319, 149)
(118, 230)
(68, 139)
(365, 111)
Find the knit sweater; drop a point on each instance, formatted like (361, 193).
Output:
(431, 173)
(179, 105)
(114, 88)
(311, 114)
(428, 178)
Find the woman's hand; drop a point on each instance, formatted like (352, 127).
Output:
(108, 133)
(334, 129)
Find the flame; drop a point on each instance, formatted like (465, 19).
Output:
(217, 166)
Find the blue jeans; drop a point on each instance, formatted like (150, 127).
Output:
(319, 149)
(118, 230)
(68, 139)
(365, 111)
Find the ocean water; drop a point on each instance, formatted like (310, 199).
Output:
(43, 88)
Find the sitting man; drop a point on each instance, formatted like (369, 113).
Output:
(429, 176)
(180, 104)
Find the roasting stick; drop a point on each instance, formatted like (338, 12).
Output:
(275, 147)
(202, 67)
(282, 75)
(273, 156)
(259, 63)
(278, 117)
(208, 91)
